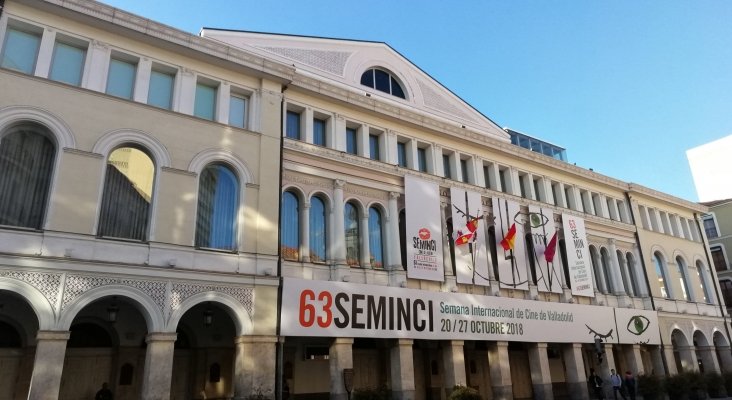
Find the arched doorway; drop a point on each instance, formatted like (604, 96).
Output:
(683, 352)
(18, 327)
(107, 344)
(203, 364)
(705, 354)
(722, 350)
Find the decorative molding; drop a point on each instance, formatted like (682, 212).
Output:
(78, 284)
(360, 191)
(77, 152)
(324, 60)
(47, 283)
(181, 291)
(288, 176)
(178, 171)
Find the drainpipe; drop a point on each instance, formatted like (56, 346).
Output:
(714, 281)
(280, 344)
(645, 274)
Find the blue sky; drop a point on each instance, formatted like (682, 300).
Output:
(626, 86)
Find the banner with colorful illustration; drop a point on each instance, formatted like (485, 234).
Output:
(468, 226)
(423, 230)
(578, 256)
(340, 309)
(545, 250)
(513, 271)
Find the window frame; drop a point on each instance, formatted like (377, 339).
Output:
(71, 42)
(215, 87)
(28, 29)
(393, 80)
(126, 59)
(235, 223)
(162, 70)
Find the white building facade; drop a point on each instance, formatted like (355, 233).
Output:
(235, 214)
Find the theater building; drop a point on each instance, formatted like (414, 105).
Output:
(233, 213)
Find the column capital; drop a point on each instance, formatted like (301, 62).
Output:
(339, 183)
(394, 195)
(541, 345)
(343, 340)
(256, 339)
(611, 241)
(404, 342)
(53, 335)
(161, 337)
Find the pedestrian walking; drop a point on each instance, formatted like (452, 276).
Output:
(596, 384)
(629, 383)
(617, 383)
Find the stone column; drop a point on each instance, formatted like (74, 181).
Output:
(337, 236)
(615, 274)
(158, 373)
(365, 245)
(341, 357)
(668, 352)
(363, 141)
(599, 277)
(657, 361)
(453, 359)
(393, 240)
(500, 371)
(575, 372)
(307, 125)
(254, 366)
(541, 377)
(338, 136)
(305, 232)
(637, 269)
(725, 357)
(142, 80)
(402, 370)
(633, 358)
(48, 365)
(97, 66)
(223, 97)
(45, 53)
(603, 370)
(437, 167)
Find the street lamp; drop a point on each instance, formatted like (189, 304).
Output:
(112, 310)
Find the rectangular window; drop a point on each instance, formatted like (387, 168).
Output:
(205, 103)
(351, 141)
(487, 176)
(67, 64)
(374, 152)
(538, 193)
(238, 111)
(710, 228)
(504, 179)
(20, 50)
(720, 264)
(464, 170)
(293, 125)
(160, 93)
(422, 159)
(725, 286)
(319, 131)
(121, 78)
(402, 154)
(446, 166)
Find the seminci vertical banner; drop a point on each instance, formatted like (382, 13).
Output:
(545, 250)
(424, 230)
(513, 272)
(468, 236)
(578, 256)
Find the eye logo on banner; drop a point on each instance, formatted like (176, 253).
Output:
(471, 252)
(544, 240)
(512, 258)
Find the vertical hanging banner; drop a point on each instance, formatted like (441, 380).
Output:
(423, 230)
(578, 256)
(544, 236)
(471, 252)
(510, 247)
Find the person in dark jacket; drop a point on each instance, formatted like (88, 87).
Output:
(629, 383)
(596, 384)
(104, 393)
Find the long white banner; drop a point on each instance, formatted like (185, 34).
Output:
(424, 230)
(578, 256)
(468, 227)
(339, 309)
(545, 240)
(513, 269)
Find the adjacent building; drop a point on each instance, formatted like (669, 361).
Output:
(238, 213)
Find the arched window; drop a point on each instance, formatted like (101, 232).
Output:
(290, 226)
(683, 280)
(353, 240)
(382, 81)
(630, 261)
(127, 196)
(218, 203)
(702, 282)
(605, 262)
(26, 166)
(625, 273)
(376, 238)
(661, 274)
(318, 232)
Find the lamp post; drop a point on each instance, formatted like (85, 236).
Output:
(112, 310)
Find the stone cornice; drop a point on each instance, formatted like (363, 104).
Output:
(172, 35)
(636, 188)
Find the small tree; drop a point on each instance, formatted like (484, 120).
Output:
(677, 386)
(460, 392)
(715, 385)
(650, 387)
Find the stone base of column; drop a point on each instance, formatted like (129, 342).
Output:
(402, 394)
(577, 391)
(502, 392)
(543, 391)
